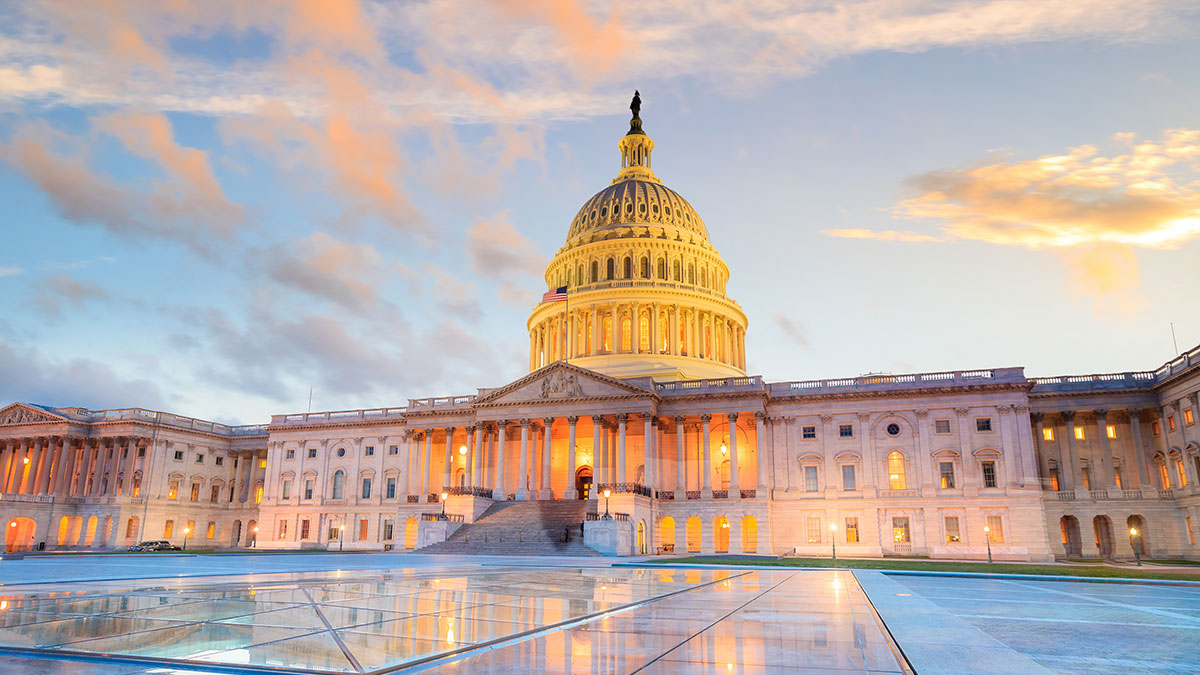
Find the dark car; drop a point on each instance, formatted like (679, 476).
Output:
(156, 545)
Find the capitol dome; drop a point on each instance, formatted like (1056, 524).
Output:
(645, 287)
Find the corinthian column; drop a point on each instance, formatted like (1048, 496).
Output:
(680, 464)
(570, 492)
(522, 464)
(760, 449)
(735, 491)
(502, 446)
(449, 462)
(706, 472)
(597, 420)
(546, 492)
(622, 472)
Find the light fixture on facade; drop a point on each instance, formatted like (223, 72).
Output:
(462, 449)
(724, 449)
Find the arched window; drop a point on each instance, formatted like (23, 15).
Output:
(692, 274)
(606, 337)
(666, 533)
(749, 534)
(895, 462)
(704, 276)
(612, 268)
(662, 333)
(721, 534)
(645, 268)
(628, 268)
(595, 271)
(626, 334)
(693, 534)
(579, 279)
(339, 484)
(675, 271)
(644, 333)
(662, 269)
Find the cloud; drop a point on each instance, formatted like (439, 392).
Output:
(881, 235)
(26, 375)
(185, 204)
(1091, 208)
(499, 251)
(10, 271)
(454, 296)
(795, 331)
(322, 266)
(51, 293)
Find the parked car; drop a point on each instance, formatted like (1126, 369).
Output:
(156, 545)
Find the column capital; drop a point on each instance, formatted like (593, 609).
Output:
(922, 414)
(706, 418)
(1036, 417)
(572, 419)
(962, 412)
(1067, 415)
(1134, 413)
(1020, 409)
(623, 417)
(1193, 398)
(679, 419)
(1100, 414)
(548, 421)
(525, 422)
(733, 417)
(597, 419)
(760, 415)
(826, 419)
(1005, 409)
(866, 417)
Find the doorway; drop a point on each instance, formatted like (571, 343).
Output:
(583, 482)
(18, 536)
(1071, 540)
(1104, 536)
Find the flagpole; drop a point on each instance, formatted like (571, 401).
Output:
(567, 323)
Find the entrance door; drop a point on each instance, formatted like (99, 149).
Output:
(1104, 536)
(583, 482)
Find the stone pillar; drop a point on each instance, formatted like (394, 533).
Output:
(680, 464)
(85, 459)
(1139, 448)
(7, 455)
(523, 463)
(42, 484)
(28, 472)
(735, 485)
(706, 461)
(597, 421)
(427, 479)
(115, 466)
(1075, 480)
(62, 472)
(1106, 477)
(477, 464)
(449, 459)
(615, 330)
(498, 476)
(570, 492)
(1039, 440)
(655, 330)
(649, 455)
(673, 326)
(760, 451)
(546, 492)
(635, 329)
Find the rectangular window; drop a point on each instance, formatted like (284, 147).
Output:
(1087, 478)
(370, 451)
(851, 530)
(989, 474)
(190, 529)
(178, 455)
(1187, 416)
(1117, 478)
(808, 432)
(286, 492)
(1111, 430)
(308, 488)
(941, 426)
(173, 490)
(291, 453)
(195, 496)
(391, 487)
(1182, 474)
(1048, 434)
(366, 489)
(952, 536)
(393, 450)
(141, 452)
(1054, 479)
(848, 477)
(258, 493)
(387, 530)
(312, 453)
(1187, 521)
(220, 461)
(995, 529)
(846, 430)
(900, 530)
(947, 474)
(1079, 433)
(1155, 428)
(335, 532)
(199, 459)
(810, 479)
(983, 424)
(1171, 422)
(211, 530)
(168, 529)
(214, 494)
(362, 530)
(304, 527)
(282, 530)
(262, 463)
(231, 489)
(814, 530)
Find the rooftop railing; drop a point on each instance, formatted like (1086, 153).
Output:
(1126, 380)
(171, 420)
(441, 402)
(878, 382)
(333, 416)
(702, 386)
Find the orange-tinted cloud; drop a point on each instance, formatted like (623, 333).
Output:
(881, 235)
(595, 48)
(326, 267)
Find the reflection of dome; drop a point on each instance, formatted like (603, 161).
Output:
(636, 202)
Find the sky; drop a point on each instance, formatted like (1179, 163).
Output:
(214, 207)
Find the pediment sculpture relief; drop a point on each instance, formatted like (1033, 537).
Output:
(561, 385)
(22, 415)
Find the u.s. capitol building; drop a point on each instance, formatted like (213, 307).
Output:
(637, 385)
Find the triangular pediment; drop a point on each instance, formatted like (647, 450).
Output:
(562, 382)
(23, 413)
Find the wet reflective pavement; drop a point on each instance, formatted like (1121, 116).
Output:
(459, 619)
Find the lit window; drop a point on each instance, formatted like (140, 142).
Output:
(1086, 475)
(983, 424)
(1047, 434)
(195, 496)
(810, 479)
(1117, 478)
(190, 530)
(1171, 422)
(895, 462)
(258, 493)
(1054, 479)
(1181, 473)
(1164, 476)
(1111, 430)
(995, 529)
(282, 530)
(947, 474)
(168, 529)
(1155, 428)
(1079, 433)
(814, 530)
(989, 474)
(173, 490)
(212, 496)
(1187, 416)
(952, 535)
(852, 530)
(362, 529)
(848, 482)
(900, 530)
(211, 530)
(846, 430)
(808, 432)
(941, 426)
(1191, 535)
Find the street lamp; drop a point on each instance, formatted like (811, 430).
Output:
(607, 494)
(833, 538)
(254, 542)
(341, 537)
(1137, 550)
(988, 538)
(186, 531)
(443, 515)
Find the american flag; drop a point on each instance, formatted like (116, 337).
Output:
(557, 295)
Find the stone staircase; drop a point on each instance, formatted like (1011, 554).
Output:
(550, 527)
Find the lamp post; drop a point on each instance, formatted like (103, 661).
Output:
(607, 494)
(1137, 550)
(254, 542)
(833, 538)
(341, 537)
(988, 538)
(186, 530)
(443, 514)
